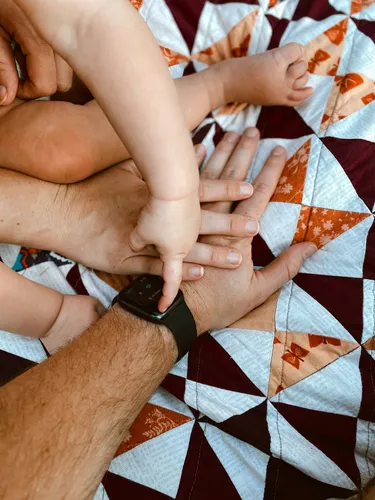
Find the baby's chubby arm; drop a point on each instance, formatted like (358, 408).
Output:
(110, 47)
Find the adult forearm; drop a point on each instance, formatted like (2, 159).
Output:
(66, 417)
(29, 210)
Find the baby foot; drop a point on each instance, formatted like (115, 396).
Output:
(276, 77)
(77, 313)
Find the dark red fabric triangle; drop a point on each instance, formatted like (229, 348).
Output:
(261, 254)
(367, 27)
(189, 69)
(75, 280)
(119, 488)
(367, 369)
(201, 133)
(175, 385)
(210, 364)
(282, 122)
(187, 15)
(315, 10)
(204, 476)
(342, 297)
(219, 134)
(369, 262)
(278, 29)
(11, 366)
(357, 158)
(251, 427)
(284, 482)
(335, 435)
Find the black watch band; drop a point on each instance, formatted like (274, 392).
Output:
(181, 323)
(141, 298)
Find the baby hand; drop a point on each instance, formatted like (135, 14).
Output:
(173, 228)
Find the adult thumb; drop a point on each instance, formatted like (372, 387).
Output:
(8, 70)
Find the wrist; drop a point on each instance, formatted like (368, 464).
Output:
(224, 74)
(152, 332)
(198, 306)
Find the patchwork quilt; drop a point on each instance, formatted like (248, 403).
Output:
(282, 404)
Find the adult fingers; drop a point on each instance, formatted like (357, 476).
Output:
(220, 156)
(280, 271)
(172, 275)
(223, 190)
(214, 256)
(64, 74)
(200, 153)
(151, 265)
(235, 225)
(8, 70)
(239, 163)
(264, 185)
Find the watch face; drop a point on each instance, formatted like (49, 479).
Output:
(144, 293)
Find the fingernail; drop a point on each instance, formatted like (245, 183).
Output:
(231, 137)
(196, 272)
(234, 258)
(246, 188)
(278, 151)
(251, 132)
(310, 251)
(3, 94)
(252, 226)
(200, 149)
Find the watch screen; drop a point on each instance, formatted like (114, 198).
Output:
(146, 290)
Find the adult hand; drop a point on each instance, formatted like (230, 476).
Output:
(97, 216)
(46, 72)
(220, 298)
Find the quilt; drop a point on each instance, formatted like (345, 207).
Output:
(282, 404)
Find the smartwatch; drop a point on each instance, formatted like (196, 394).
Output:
(141, 298)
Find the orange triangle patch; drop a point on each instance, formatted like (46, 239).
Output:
(292, 180)
(232, 109)
(370, 344)
(235, 44)
(322, 225)
(349, 94)
(324, 52)
(360, 5)
(173, 58)
(298, 355)
(151, 422)
(136, 3)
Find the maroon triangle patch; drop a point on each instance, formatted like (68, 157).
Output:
(187, 17)
(342, 297)
(203, 475)
(335, 435)
(369, 262)
(367, 369)
(357, 158)
(284, 482)
(251, 427)
(210, 364)
(11, 366)
(118, 488)
(278, 29)
(219, 134)
(75, 280)
(315, 10)
(261, 254)
(201, 133)
(175, 385)
(367, 27)
(293, 125)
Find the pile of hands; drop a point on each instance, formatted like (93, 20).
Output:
(221, 285)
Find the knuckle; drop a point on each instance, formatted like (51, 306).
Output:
(261, 188)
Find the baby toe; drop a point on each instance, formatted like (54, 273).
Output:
(301, 82)
(297, 70)
(292, 52)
